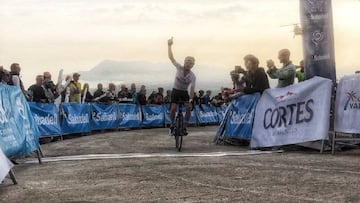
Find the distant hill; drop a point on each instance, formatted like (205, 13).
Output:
(152, 75)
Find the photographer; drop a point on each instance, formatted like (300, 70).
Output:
(285, 74)
(255, 78)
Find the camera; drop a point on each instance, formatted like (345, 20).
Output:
(49, 84)
(239, 69)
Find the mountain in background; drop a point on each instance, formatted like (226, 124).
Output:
(152, 75)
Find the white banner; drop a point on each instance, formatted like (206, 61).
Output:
(347, 105)
(5, 165)
(293, 114)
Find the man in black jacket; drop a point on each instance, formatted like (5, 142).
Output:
(255, 77)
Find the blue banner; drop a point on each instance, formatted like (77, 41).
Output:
(221, 112)
(153, 116)
(103, 116)
(240, 121)
(75, 118)
(318, 39)
(206, 114)
(19, 134)
(166, 109)
(46, 117)
(193, 119)
(129, 116)
(221, 129)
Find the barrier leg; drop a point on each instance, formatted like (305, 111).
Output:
(38, 156)
(12, 176)
(41, 153)
(333, 144)
(322, 146)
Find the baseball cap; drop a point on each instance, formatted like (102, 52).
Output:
(76, 74)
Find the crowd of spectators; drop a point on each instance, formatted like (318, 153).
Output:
(253, 79)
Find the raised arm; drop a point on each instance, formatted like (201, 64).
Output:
(170, 53)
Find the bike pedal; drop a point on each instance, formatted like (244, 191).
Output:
(184, 133)
(171, 131)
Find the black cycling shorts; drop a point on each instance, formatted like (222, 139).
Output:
(179, 95)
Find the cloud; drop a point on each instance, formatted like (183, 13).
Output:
(79, 33)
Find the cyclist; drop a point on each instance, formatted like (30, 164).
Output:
(183, 79)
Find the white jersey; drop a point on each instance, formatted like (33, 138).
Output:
(182, 82)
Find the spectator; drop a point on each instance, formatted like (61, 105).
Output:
(206, 97)
(300, 74)
(201, 97)
(196, 100)
(255, 77)
(133, 93)
(73, 91)
(217, 100)
(1, 72)
(286, 74)
(167, 98)
(155, 98)
(37, 91)
(270, 64)
(49, 87)
(88, 96)
(77, 94)
(4, 76)
(225, 93)
(160, 95)
(150, 97)
(15, 78)
(111, 93)
(124, 95)
(65, 89)
(100, 94)
(141, 97)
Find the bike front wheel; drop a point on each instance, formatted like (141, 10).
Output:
(178, 133)
(178, 141)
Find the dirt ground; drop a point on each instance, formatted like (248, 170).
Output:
(149, 169)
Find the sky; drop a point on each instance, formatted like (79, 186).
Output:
(76, 35)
